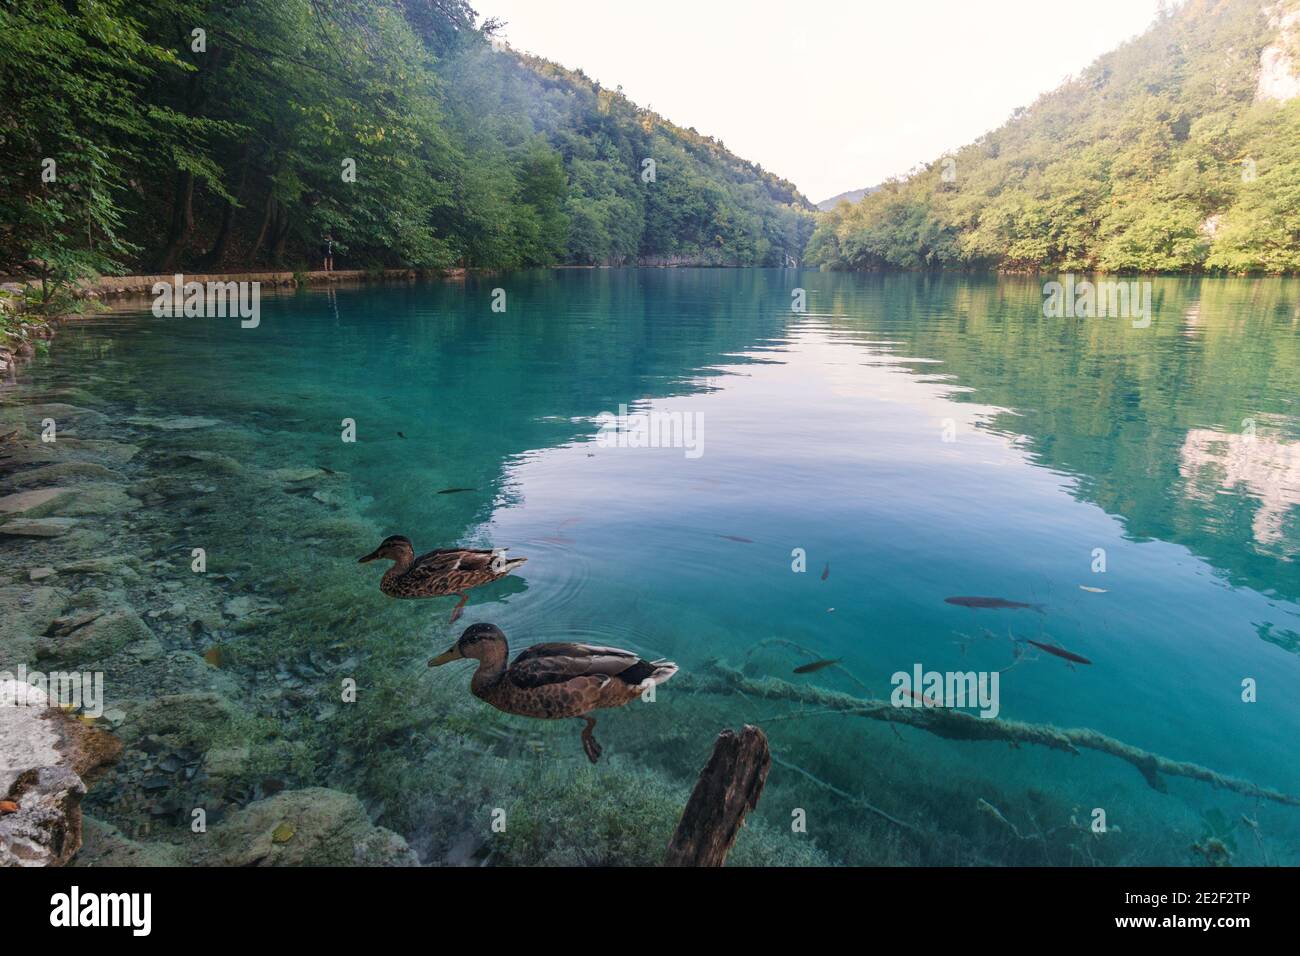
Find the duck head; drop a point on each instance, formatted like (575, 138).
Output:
(395, 548)
(482, 642)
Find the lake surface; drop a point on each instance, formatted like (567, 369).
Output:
(917, 437)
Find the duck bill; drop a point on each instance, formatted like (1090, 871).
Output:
(446, 657)
(369, 557)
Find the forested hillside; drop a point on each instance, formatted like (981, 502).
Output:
(1179, 151)
(164, 135)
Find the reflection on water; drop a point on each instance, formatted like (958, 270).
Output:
(1264, 468)
(913, 437)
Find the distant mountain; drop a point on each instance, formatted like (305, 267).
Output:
(1177, 152)
(852, 196)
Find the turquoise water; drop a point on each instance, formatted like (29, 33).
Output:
(917, 437)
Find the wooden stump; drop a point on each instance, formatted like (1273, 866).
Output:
(729, 787)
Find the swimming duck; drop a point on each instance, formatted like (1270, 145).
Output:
(438, 573)
(554, 681)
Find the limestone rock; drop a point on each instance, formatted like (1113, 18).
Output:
(105, 845)
(37, 527)
(290, 476)
(27, 614)
(114, 565)
(33, 504)
(62, 471)
(101, 637)
(98, 500)
(175, 423)
(313, 827)
(44, 758)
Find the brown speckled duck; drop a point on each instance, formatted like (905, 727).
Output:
(554, 681)
(439, 573)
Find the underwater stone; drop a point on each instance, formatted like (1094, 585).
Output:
(116, 565)
(27, 613)
(33, 504)
(176, 423)
(245, 605)
(37, 527)
(62, 471)
(102, 637)
(92, 500)
(105, 845)
(291, 476)
(324, 828)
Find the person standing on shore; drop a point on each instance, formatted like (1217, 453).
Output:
(327, 252)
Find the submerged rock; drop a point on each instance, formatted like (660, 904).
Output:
(35, 503)
(100, 637)
(102, 499)
(291, 476)
(63, 471)
(105, 845)
(28, 613)
(37, 527)
(115, 565)
(175, 423)
(314, 827)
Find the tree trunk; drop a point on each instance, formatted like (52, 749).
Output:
(281, 233)
(266, 225)
(728, 788)
(182, 222)
(217, 253)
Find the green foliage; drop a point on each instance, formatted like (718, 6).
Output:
(234, 149)
(1156, 159)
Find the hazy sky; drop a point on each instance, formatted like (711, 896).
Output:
(831, 94)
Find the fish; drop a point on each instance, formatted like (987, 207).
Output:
(1084, 587)
(921, 698)
(736, 537)
(993, 603)
(8, 806)
(400, 435)
(826, 572)
(1060, 652)
(815, 666)
(452, 491)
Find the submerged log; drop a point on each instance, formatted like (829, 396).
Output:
(716, 677)
(728, 788)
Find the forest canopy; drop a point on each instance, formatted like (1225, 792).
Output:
(217, 135)
(1163, 156)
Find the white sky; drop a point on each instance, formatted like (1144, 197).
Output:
(832, 94)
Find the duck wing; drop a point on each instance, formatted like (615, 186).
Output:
(544, 664)
(437, 565)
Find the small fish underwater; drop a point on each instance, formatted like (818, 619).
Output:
(814, 666)
(994, 604)
(1060, 652)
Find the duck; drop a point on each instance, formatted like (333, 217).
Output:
(438, 573)
(554, 681)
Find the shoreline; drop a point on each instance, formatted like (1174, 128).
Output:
(16, 351)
